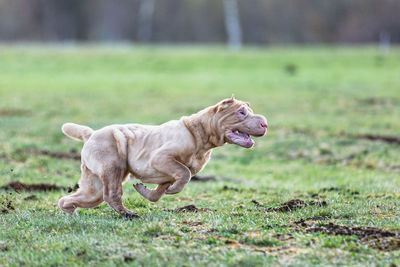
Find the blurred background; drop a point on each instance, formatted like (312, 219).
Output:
(255, 22)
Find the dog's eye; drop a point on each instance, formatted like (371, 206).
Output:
(242, 112)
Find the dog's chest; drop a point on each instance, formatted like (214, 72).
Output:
(197, 162)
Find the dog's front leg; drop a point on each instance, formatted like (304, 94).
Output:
(152, 194)
(173, 168)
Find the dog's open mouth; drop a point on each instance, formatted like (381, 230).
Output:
(239, 138)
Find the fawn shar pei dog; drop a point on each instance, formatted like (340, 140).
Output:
(167, 155)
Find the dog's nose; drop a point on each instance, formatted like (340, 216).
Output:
(264, 125)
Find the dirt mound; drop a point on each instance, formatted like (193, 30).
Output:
(72, 188)
(382, 239)
(191, 208)
(73, 154)
(303, 222)
(18, 187)
(373, 101)
(7, 112)
(340, 190)
(6, 205)
(331, 189)
(383, 138)
(229, 188)
(336, 229)
(295, 204)
(255, 202)
(198, 178)
(31, 197)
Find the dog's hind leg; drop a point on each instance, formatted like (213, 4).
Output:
(112, 192)
(89, 194)
(152, 194)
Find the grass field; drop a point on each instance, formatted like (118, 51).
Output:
(322, 103)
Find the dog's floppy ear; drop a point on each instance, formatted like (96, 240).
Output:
(225, 103)
(229, 100)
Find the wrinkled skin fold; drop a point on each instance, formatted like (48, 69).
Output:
(167, 155)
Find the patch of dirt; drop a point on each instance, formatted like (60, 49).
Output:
(330, 189)
(272, 249)
(188, 226)
(395, 168)
(31, 197)
(191, 208)
(292, 204)
(192, 223)
(4, 247)
(73, 154)
(255, 202)
(198, 178)
(9, 112)
(295, 204)
(386, 240)
(283, 237)
(382, 239)
(316, 195)
(338, 189)
(228, 188)
(381, 195)
(303, 222)
(236, 245)
(80, 253)
(317, 203)
(129, 258)
(374, 101)
(73, 188)
(18, 187)
(384, 138)
(6, 205)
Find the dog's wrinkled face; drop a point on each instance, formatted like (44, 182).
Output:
(238, 122)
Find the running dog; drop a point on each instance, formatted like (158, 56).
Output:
(167, 155)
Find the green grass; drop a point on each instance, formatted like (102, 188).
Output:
(313, 115)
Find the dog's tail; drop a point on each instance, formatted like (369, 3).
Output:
(76, 131)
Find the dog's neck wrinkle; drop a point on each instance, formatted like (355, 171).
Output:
(216, 138)
(198, 132)
(205, 139)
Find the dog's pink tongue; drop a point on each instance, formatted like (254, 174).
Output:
(245, 142)
(242, 140)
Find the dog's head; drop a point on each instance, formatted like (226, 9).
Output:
(237, 122)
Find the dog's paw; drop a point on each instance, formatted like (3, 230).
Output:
(140, 187)
(70, 209)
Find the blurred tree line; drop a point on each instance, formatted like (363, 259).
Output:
(258, 21)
